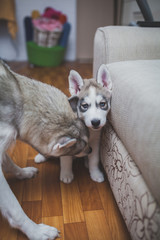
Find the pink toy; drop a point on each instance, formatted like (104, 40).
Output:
(46, 24)
(54, 14)
(51, 13)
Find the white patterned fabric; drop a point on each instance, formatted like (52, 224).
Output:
(135, 115)
(140, 210)
(130, 151)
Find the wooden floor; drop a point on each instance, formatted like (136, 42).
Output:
(82, 210)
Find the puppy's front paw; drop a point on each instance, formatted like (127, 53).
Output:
(39, 158)
(97, 175)
(27, 172)
(66, 177)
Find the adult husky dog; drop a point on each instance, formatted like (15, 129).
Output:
(41, 116)
(91, 100)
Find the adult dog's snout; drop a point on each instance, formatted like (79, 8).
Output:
(85, 152)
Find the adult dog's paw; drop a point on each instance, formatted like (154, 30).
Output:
(44, 232)
(39, 158)
(28, 172)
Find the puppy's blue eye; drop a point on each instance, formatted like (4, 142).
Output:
(103, 104)
(84, 106)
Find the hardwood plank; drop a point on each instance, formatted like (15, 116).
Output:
(97, 225)
(6, 232)
(20, 154)
(17, 187)
(87, 187)
(71, 202)
(31, 153)
(33, 187)
(56, 222)
(34, 212)
(114, 218)
(77, 231)
(51, 199)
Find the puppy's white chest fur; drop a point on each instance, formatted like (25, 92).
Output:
(94, 138)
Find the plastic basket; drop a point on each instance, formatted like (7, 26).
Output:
(44, 56)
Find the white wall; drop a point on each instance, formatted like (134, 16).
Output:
(16, 49)
(91, 15)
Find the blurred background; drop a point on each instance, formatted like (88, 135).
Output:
(85, 16)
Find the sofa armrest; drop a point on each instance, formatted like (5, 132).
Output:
(120, 43)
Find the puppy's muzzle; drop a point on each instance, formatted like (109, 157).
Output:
(95, 123)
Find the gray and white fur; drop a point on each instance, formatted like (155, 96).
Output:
(91, 100)
(41, 116)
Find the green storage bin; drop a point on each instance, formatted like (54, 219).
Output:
(44, 56)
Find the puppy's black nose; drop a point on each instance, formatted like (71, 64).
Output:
(95, 122)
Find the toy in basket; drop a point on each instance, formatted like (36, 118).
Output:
(47, 31)
(46, 37)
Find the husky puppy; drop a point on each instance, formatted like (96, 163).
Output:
(91, 100)
(40, 115)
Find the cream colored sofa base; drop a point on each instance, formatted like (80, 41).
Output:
(136, 203)
(130, 152)
(135, 115)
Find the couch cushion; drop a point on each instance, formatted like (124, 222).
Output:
(124, 43)
(135, 114)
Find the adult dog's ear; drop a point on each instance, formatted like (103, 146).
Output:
(73, 102)
(103, 78)
(63, 142)
(75, 82)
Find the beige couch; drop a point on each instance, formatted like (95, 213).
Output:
(130, 148)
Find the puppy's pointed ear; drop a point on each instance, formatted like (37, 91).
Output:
(103, 77)
(75, 82)
(63, 142)
(73, 102)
